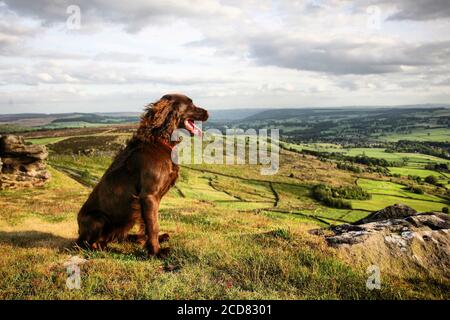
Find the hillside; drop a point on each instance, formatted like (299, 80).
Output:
(343, 125)
(234, 233)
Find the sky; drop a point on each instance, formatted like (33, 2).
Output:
(115, 55)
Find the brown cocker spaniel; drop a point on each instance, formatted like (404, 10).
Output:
(131, 189)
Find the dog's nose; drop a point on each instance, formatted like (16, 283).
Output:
(206, 116)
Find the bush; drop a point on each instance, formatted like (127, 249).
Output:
(349, 167)
(324, 194)
(445, 210)
(415, 189)
(415, 178)
(351, 192)
(431, 180)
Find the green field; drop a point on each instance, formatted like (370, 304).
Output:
(45, 141)
(441, 134)
(384, 192)
(413, 158)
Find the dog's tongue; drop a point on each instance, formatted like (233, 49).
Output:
(190, 125)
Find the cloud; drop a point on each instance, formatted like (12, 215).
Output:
(334, 56)
(412, 10)
(421, 10)
(14, 32)
(132, 14)
(95, 74)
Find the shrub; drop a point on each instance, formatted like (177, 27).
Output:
(324, 194)
(431, 180)
(415, 178)
(415, 189)
(351, 192)
(349, 167)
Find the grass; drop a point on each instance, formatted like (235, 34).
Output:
(234, 235)
(57, 201)
(423, 173)
(414, 160)
(388, 193)
(214, 254)
(45, 141)
(95, 165)
(438, 134)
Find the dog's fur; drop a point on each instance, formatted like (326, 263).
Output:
(131, 189)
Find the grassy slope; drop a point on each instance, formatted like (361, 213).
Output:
(384, 192)
(230, 238)
(215, 254)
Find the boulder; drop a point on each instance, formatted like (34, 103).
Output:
(15, 147)
(395, 211)
(404, 228)
(21, 164)
(397, 239)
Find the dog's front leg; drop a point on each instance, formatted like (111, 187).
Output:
(150, 205)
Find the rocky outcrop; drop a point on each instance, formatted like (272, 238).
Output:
(396, 211)
(397, 238)
(395, 230)
(22, 165)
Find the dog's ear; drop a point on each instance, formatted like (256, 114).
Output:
(169, 124)
(161, 119)
(159, 111)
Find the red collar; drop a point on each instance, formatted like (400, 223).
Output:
(166, 144)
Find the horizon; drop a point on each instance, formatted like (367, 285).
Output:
(404, 106)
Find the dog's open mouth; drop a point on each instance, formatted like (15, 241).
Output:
(192, 128)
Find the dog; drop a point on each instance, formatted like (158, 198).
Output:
(131, 189)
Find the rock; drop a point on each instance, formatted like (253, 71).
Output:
(397, 238)
(21, 165)
(14, 146)
(404, 228)
(432, 220)
(391, 212)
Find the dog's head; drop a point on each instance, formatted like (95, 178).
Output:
(170, 112)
